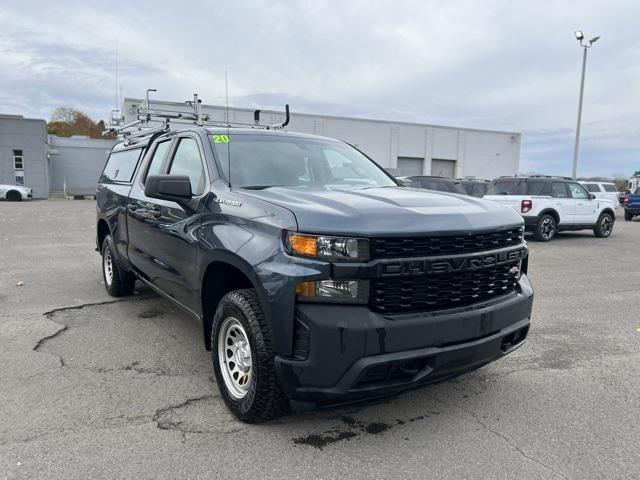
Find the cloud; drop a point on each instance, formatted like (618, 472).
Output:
(509, 65)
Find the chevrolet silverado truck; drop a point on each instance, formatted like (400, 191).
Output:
(316, 276)
(554, 204)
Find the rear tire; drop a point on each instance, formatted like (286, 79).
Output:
(604, 227)
(243, 359)
(546, 229)
(628, 216)
(14, 196)
(118, 282)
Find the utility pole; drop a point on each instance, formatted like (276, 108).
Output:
(585, 46)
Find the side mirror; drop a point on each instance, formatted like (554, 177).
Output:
(592, 196)
(175, 188)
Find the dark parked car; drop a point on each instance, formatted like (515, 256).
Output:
(315, 275)
(439, 184)
(477, 188)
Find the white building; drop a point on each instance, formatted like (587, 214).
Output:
(401, 147)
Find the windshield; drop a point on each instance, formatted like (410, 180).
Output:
(261, 161)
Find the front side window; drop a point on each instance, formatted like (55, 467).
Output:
(578, 191)
(187, 161)
(121, 166)
(261, 161)
(158, 156)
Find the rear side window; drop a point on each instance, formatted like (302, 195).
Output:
(121, 166)
(537, 188)
(559, 190)
(457, 187)
(509, 186)
(609, 188)
(592, 187)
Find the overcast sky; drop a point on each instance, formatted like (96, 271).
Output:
(494, 64)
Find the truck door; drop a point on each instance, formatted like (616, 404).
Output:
(563, 203)
(161, 241)
(585, 207)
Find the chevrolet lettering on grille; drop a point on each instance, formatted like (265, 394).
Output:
(449, 265)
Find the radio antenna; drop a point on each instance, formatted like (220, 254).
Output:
(226, 93)
(117, 106)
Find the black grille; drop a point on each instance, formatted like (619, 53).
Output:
(444, 290)
(445, 244)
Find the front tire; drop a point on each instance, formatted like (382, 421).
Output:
(628, 216)
(118, 282)
(546, 229)
(604, 227)
(243, 359)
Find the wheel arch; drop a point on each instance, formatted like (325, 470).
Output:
(609, 211)
(17, 192)
(102, 231)
(552, 212)
(224, 273)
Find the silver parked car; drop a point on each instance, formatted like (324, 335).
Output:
(15, 193)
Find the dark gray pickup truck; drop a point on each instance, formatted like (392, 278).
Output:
(316, 276)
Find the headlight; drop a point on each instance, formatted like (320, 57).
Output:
(327, 247)
(333, 291)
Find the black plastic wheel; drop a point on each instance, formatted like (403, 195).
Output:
(119, 283)
(243, 359)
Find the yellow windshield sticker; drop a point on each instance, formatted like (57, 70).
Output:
(220, 138)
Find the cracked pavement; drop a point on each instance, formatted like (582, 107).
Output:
(94, 387)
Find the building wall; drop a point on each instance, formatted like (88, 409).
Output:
(76, 163)
(28, 135)
(478, 153)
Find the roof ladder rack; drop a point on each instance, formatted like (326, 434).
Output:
(148, 116)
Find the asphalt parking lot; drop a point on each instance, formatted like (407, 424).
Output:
(97, 388)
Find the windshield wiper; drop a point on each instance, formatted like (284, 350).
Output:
(262, 187)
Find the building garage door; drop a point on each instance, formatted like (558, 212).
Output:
(443, 168)
(408, 166)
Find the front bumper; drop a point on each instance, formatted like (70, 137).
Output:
(354, 353)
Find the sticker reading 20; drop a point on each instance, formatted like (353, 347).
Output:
(220, 138)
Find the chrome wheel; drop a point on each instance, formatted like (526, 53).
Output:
(234, 357)
(548, 228)
(107, 264)
(606, 225)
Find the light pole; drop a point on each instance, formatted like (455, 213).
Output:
(585, 46)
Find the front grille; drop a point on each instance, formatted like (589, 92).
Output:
(439, 291)
(402, 247)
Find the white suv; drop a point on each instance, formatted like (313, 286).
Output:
(606, 190)
(552, 204)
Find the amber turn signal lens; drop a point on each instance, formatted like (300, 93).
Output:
(303, 244)
(306, 289)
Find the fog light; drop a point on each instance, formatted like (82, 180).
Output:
(339, 291)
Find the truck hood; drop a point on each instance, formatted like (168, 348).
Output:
(386, 210)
